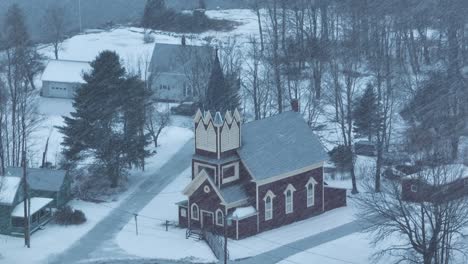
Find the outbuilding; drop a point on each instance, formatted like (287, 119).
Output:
(61, 78)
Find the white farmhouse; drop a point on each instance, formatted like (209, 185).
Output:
(61, 78)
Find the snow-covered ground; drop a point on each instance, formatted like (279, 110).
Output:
(276, 238)
(153, 241)
(44, 242)
(353, 249)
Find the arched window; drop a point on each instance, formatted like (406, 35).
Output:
(268, 208)
(289, 199)
(310, 194)
(219, 218)
(195, 212)
(289, 207)
(269, 205)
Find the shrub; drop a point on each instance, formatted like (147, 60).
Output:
(67, 216)
(342, 156)
(148, 38)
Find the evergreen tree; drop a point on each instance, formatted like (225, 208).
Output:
(154, 13)
(222, 93)
(134, 102)
(108, 119)
(366, 116)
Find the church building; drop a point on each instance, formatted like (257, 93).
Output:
(256, 176)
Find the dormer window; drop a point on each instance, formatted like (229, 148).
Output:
(414, 188)
(230, 172)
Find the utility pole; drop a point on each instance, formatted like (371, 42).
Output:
(136, 223)
(27, 204)
(225, 240)
(79, 14)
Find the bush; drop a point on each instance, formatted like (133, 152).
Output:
(148, 38)
(67, 216)
(342, 156)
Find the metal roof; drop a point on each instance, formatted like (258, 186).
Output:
(172, 58)
(40, 179)
(279, 144)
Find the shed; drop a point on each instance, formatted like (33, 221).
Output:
(61, 78)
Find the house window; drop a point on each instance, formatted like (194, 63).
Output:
(195, 212)
(268, 208)
(414, 188)
(183, 212)
(289, 202)
(269, 205)
(210, 170)
(219, 218)
(230, 173)
(289, 199)
(310, 194)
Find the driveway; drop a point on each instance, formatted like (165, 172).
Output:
(98, 242)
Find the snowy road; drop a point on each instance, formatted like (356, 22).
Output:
(97, 243)
(283, 252)
(273, 256)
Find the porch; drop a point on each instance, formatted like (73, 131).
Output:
(39, 211)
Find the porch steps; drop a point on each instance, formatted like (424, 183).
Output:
(196, 234)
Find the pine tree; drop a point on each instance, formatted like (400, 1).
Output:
(154, 13)
(95, 125)
(366, 117)
(134, 102)
(222, 93)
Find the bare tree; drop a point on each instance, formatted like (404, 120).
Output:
(429, 231)
(196, 71)
(156, 121)
(54, 27)
(3, 114)
(255, 80)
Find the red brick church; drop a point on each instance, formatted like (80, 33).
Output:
(261, 175)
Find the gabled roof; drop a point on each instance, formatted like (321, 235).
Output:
(8, 189)
(441, 175)
(279, 144)
(172, 58)
(40, 179)
(228, 194)
(66, 71)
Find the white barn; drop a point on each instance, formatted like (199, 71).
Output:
(61, 78)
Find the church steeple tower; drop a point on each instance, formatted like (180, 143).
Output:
(218, 135)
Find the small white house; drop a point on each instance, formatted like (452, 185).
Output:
(61, 78)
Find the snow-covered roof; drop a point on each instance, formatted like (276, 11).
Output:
(279, 144)
(40, 179)
(37, 203)
(176, 58)
(441, 174)
(242, 212)
(66, 71)
(8, 189)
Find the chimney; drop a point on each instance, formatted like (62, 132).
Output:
(295, 105)
(184, 41)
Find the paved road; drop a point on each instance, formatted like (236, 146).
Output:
(298, 246)
(105, 231)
